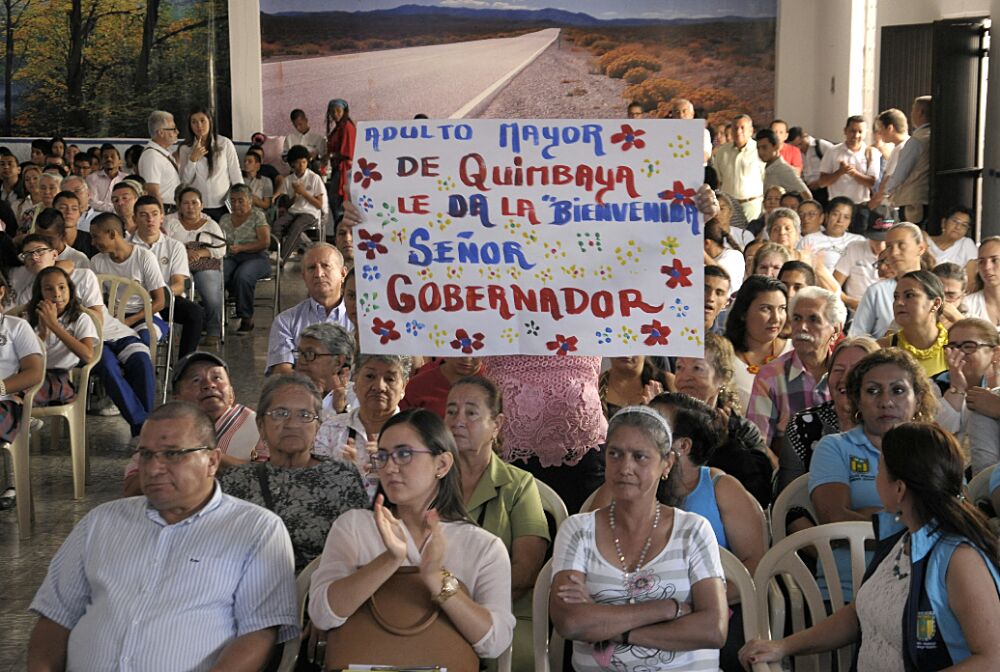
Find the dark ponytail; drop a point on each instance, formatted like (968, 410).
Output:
(929, 461)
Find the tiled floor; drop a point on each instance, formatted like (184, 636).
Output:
(23, 563)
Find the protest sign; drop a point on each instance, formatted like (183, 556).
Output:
(492, 237)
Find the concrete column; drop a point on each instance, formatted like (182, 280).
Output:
(244, 67)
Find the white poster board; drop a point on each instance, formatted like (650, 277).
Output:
(544, 237)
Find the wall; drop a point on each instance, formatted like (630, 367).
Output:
(244, 55)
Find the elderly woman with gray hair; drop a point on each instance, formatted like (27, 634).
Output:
(325, 353)
(308, 492)
(248, 236)
(379, 383)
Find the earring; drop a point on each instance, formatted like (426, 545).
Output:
(439, 476)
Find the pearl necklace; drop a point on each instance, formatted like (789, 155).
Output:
(618, 545)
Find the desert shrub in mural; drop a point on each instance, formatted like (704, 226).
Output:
(98, 67)
(724, 69)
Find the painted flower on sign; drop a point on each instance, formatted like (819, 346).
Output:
(371, 244)
(656, 333)
(677, 275)
(466, 343)
(366, 173)
(385, 330)
(629, 138)
(563, 345)
(678, 193)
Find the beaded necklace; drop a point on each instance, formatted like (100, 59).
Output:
(621, 556)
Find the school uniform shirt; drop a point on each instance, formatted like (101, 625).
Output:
(831, 249)
(857, 263)
(17, 341)
(170, 254)
(314, 142)
(157, 166)
(313, 185)
(140, 266)
(57, 354)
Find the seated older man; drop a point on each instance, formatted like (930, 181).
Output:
(184, 578)
(325, 354)
(202, 379)
(323, 272)
(794, 381)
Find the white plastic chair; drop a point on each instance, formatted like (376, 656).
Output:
(548, 643)
(782, 559)
(979, 486)
(119, 291)
(588, 504)
(795, 494)
(20, 456)
(75, 414)
(290, 649)
(736, 574)
(552, 503)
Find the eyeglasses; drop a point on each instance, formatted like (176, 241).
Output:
(167, 456)
(960, 222)
(310, 355)
(34, 254)
(169, 129)
(968, 347)
(283, 414)
(401, 456)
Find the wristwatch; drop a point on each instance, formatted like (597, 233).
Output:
(449, 586)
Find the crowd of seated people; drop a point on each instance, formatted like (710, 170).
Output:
(851, 350)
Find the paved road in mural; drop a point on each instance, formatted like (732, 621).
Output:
(436, 80)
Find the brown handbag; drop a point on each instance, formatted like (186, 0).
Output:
(400, 625)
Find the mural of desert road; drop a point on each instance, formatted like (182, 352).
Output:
(437, 80)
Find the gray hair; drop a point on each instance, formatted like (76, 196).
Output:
(52, 177)
(240, 188)
(334, 338)
(70, 179)
(204, 428)
(784, 213)
(323, 245)
(835, 311)
(402, 362)
(157, 120)
(647, 420)
(275, 383)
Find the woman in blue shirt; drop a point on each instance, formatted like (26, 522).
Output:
(937, 578)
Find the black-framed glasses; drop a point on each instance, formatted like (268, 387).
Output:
(401, 456)
(168, 456)
(34, 254)
(310, 355)
(968, 347)
(283, 414)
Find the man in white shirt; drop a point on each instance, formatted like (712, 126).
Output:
(102, 182)
(851, 168)
(314, 142)
(53, 228)
(122, 258)
(157, 165)
(172, 257)
(741, 172)
(308, 195)
(123, 198)
(813, 150)
(777, 172)
(718, 254)
(890, 127)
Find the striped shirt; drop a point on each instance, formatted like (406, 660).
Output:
(691, 555)
(140, 594)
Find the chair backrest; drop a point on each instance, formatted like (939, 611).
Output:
(588, 504)
(119, 291)
(552, 503)
(795, 494)
(290, 650)
(979, 486)
(783, 559)
(548, 643)
(736, 574)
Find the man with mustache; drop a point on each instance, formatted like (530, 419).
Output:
(202, 379)
(794, 381)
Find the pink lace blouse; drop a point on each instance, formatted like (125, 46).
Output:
(551, 407)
